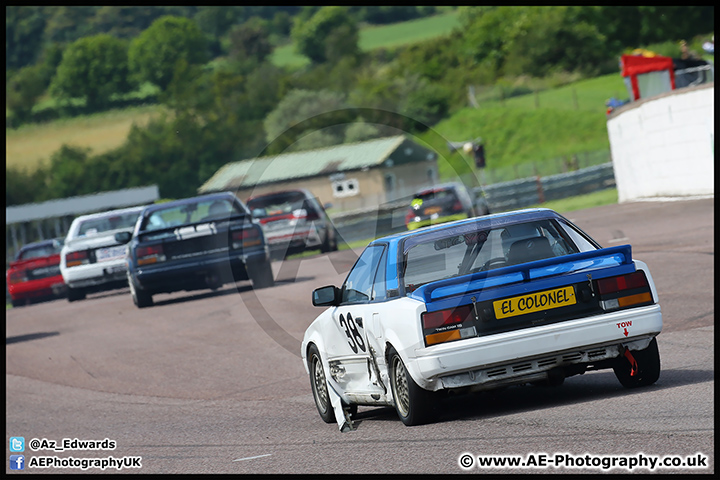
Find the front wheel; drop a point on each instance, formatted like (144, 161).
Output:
(648, 367)
(319, 386)
(413, 404)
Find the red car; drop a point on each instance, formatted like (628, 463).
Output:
(35, 273)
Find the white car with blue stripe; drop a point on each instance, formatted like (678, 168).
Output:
(476, 304)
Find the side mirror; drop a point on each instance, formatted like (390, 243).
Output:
(123, 237)
(328, 206)
(326, 296)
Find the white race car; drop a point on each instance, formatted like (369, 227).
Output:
(476, 304)
(92, 259)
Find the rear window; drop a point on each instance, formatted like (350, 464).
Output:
(436, 194)
(97, 225)
(460, 252)
(40, 251)
(277, 204)
(206, 210)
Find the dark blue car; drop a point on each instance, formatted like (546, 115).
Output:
(195, 243)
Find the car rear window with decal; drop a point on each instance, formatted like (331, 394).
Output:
(460, 252)
(190, 214)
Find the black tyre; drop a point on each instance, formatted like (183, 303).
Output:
(262, 276)
(325, 245)
(140, 298)
(319, 385)
(414, 405)
(334, 244)
(74, 294)
(17, 303)
(648, 367)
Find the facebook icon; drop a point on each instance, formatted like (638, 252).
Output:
(17, 462)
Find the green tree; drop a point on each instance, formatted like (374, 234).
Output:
(546, 39)
(22, 187)
(414, 98)
(93, 68)
(67, 24)
(124, 21)
(69, 172)
(250, 40)
(24, 28)
(23, 90)
(361, 131)
(216, 21)
(281, 24)
(328, 35)
(154, 54)
(387, 13)
(313, 110)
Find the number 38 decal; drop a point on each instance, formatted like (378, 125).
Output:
(355, 340)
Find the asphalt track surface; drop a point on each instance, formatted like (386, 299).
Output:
(212, 382)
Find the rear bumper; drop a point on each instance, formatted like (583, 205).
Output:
(530, 352)
(95, 274)
(283, 240)
(46, 287)
(197, 273)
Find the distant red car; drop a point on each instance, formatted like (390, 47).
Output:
(35, 273)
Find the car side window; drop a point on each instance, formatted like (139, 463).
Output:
(583, 244)
(379, 291)
(359, 282)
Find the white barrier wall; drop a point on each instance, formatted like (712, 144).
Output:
(663, 146)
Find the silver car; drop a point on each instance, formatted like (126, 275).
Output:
(293, 221)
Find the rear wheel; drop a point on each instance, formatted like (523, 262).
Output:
(413, 404)
(648, 367)
(262, 276)
(74, 294)
(334, 244)
(140, 298)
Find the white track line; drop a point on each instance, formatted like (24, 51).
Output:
(251, 458)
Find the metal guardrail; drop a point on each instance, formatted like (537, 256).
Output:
(533, 190)
(390, 218)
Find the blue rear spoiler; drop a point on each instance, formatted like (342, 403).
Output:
(526, 277)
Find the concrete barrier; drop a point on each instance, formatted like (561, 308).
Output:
(663, 146)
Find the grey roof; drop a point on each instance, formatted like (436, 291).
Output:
(96, 202)
(308, 163)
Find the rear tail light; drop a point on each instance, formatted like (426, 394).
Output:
(448, 325)
(150, 254)
(248, 237)
(632, 290)
(457, 207)
(18, 276)
(74, 259)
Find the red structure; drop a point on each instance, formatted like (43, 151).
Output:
(647, 76)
